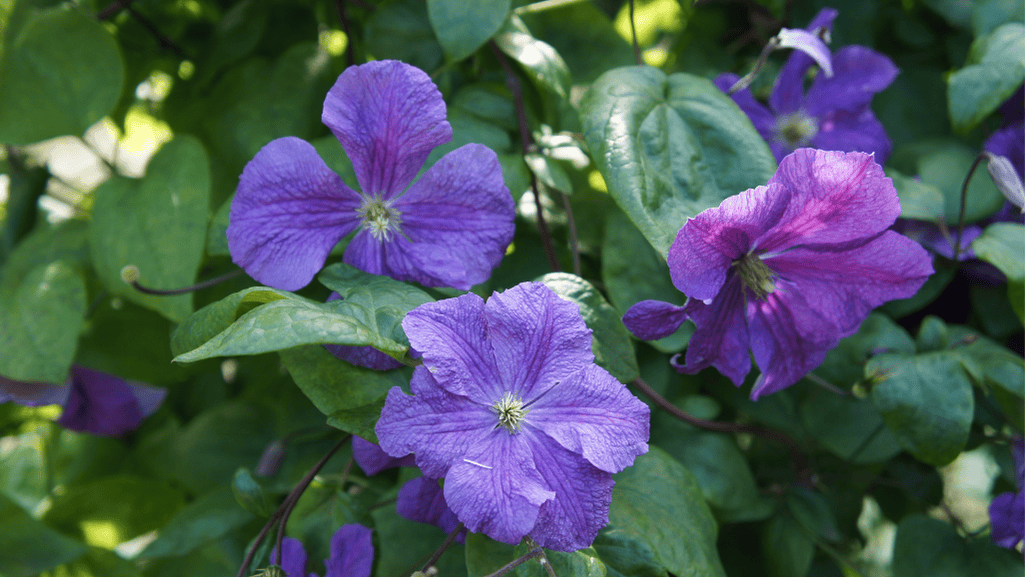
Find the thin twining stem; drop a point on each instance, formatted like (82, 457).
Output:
(633, 34)
(964, 199)
(571, 223)
(444, 546)
(130, 274)
(532, 554)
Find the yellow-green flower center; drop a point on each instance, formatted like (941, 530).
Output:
(755, 275)
(379, 218)
(796, 129)
(510, 412)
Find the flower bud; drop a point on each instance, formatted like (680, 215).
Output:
(1006, 178)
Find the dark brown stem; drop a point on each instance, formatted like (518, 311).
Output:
(748, 78)
(113, 9)
(533, 553)
(964, 199)
(526, 145)
(185, 290)
(165, 42)
(829, 386)
(572, 225)
(350, 50)
(286, 506)
(444, 546)
(633, 34)
(797, 457)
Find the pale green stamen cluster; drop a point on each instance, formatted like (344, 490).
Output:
(756, 275)
(510, 411)
(379, 218)
(796, 129)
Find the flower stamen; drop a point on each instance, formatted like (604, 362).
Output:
(796, 129)
(756, 275)
(510, 411)
(379, 218)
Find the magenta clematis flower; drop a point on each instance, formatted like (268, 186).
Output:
(449, 228)
(1007, 510)
(352, 554)
(94, 402)
(420, 499)
(511, 410)
(786, 269)
(834, 114)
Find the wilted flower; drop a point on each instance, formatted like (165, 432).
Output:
(834, 114)
(511, 410)
(786, 269)
(94, 402)
(352, 554)
(1007, 510)
(449, 228)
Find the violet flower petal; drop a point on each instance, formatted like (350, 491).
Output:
(103, 404)
(580, 507)
(438, 426)
(1007, 519)
(372, 458)
(859, 73)
(453, 335)
(31, 394)
(288, 213)
(721, 338)
(592, 414)
(810, 44)
(843, 196)
(763, 120)
(293, 557)
(352, 552)
(388, 116)
(539, 339)
(651, 320)
(496, 488)
(788, 91)
(700, 256)
(853, 132)
(1009, 142)
(423, 501)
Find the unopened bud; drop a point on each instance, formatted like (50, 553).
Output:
(1006, 178)
(130, 274)
(271, 459)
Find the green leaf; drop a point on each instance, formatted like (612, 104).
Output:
(39, 324)
(927, 546)
(845, 364)
(334, 385)
(926, 400)
(45, 244)
(460, 30)
(543, 64)
(812, 511)
(918, 201)
(549, 171)
(249, 493)
(988, 14)
(581, 563)
(787, 548)
(205, 519)
(634, 272)
(613, 350)
(851, 429)
(217, 235)
(659, 503)
(405, 545)
(402, 31)
(61, 73)
(1002, 245)
(209, 321)
(625, 555)
(484, 555)
(994, 71)
(157, 223)
(670, 147)
(359, 421)
(388, 298)
(30, 547)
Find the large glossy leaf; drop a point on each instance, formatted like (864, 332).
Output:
(1002, 245)
(932, 547)
(202, 521)
(613, 350)
(60, 74)
(28, 546)
(926, 400)
(994, 70)
(460, 29)
(157, 223)
(543, 64)
(402, 31)
(40, 320)
(669, 147)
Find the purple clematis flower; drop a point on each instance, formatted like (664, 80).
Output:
(834, 114)
(511, 410)
(787, 269)
(449, 228)
(352, 554)
(94, 402)
(1007, 510)
(420, 499)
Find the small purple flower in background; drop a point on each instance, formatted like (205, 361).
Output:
(1007, 510)
(511, 410)
(420, 499)
(94, 402)
(449, 228)
(835, 112)
(786, 269)
(352, 554)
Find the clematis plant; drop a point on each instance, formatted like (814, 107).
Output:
(1007, 510)
(449, 228)
(352, 554)
(94, 402)
(511, 410)
(834, 113)
(786, 269)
